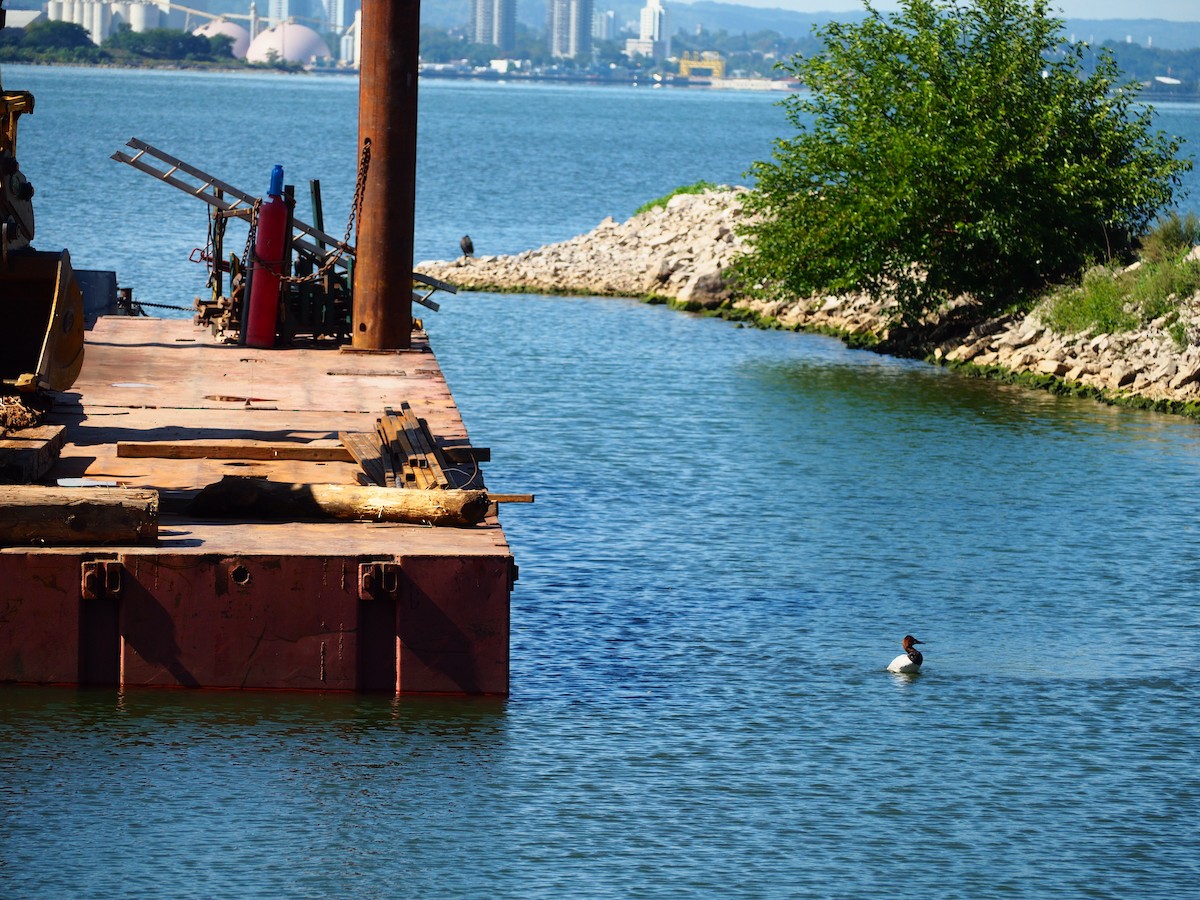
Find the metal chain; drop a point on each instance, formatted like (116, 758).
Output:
(360, 187)
(247, 262)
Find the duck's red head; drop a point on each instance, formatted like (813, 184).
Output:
(908, 641)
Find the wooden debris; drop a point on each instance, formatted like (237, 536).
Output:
(248, 497)
(28, 454)
(235, 449)
(32, 515)
(411, 456)
(16, 412)
(402, 452)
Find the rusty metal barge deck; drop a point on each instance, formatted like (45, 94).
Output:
(226, 602)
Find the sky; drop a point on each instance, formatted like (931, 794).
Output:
(1174, 10)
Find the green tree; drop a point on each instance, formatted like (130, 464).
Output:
(954, 148)
(47, 35)
(160, 43)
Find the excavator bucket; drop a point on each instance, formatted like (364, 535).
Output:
(41, 322)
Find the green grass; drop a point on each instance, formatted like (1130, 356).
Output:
(699, 187)
(1171, 235)
(1108, 301)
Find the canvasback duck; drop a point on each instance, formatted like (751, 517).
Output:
(910, 661)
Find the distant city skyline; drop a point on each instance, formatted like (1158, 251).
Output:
(1173, 10)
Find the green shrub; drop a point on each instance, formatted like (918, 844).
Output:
(956, 147)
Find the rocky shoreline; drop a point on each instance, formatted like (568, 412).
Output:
(678, 254)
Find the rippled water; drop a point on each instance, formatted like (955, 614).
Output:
(733, 529)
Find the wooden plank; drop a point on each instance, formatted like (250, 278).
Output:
(32, 515)
(28, 454)
(368, 452)
(233, 449)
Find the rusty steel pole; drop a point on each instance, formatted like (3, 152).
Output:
(387, 115)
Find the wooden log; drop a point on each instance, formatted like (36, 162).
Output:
(248, 497)
(32, 515)
(234, 449)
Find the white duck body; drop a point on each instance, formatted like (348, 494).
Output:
(909, 662)
(904, 665)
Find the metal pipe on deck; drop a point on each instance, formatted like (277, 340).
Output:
(387, 115)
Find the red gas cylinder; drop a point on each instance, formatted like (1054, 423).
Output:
(269, 241)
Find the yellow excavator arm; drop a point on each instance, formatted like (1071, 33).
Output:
(41, 306)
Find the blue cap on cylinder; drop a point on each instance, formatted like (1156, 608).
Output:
(276, 182)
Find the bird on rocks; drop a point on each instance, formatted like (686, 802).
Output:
(467, 245)
(909, 662)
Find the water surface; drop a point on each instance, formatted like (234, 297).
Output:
(733, 529)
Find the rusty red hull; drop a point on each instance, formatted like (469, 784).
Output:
(253, 604)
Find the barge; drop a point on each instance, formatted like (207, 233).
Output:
(191, 510)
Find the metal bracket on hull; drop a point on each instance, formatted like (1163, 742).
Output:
(377, 580)
(100, 578)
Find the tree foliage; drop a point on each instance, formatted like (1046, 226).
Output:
(163, 43)
(48, 35)
(956, 147)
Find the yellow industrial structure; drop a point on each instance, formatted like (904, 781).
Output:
(707, 63)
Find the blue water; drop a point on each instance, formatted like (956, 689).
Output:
(733, 529)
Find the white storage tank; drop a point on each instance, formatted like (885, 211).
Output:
(143, 16)
(288, 41)
(240, 36)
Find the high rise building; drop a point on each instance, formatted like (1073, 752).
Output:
(494, 22)
(341, 14)
(604, 25)
(569, 28)
(654, 36)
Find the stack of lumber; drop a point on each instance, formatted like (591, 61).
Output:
(400, 453)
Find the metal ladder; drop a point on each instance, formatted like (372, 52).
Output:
(235, 203)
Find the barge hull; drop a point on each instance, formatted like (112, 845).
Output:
(236, 602)
(407, 625)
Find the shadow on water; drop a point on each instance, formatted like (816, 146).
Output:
(245, 712)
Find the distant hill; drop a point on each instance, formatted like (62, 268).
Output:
(735, 19)
(1157, 32)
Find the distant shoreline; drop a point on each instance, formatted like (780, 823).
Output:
(742, 84)
(763, 85)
